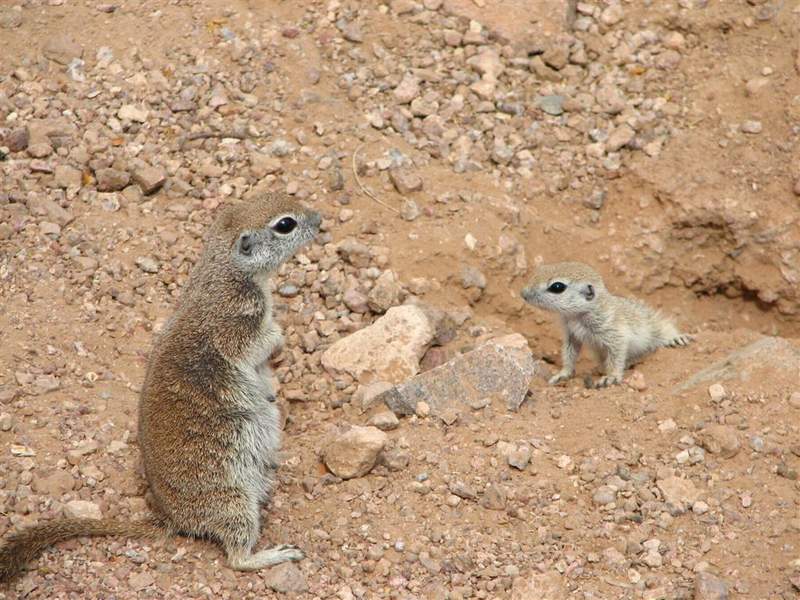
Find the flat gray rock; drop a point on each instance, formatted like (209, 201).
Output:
(500, 369)
(774, 354)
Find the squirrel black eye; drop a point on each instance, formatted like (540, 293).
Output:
(246, 245)
(285, 225)
(556, 287)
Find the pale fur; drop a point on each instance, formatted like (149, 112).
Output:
(620, 330)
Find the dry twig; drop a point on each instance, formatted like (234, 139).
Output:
(364, 189)
(205, 135)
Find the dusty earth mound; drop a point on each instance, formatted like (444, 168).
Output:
(452, 145)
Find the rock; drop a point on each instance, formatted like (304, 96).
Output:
(17, 139)
(367, 395)
(40, 150)
(355, 452)
(402, 7)
(286, 578)
(390, 349)
(794, 400)
(539, 586)
(405, 181)
(620, 137)
(494, 497)
(720, 439)
(409, 210)
(678, 492)
(354, 252)
(40, 166)
(611, 99)
(219, 97)
(472, 278)
(149, 179)
(355, 301)
(604, 495)
(140, 580)
(758, 365)
(709, 587)
(385, 293)
(41, 206)
(129, 112)
(612, 14)
(667, 426)
(54, 485)
(407, 89)
(551, 104)
(499, 370)
(147, 264)
(716, 392)
(787, 472)
(462, 490)
(288, 290)
(50, 229)
(352, 33)
(85, 448)
(484, 88)
(10, 18)
(264, 164)
(7, 421)
(116, 446)
(520, 457)
(435, 357)
(385, 421)
(487, 62)
(556, 56)
(111, 180)
(82, 509)
(751, 127)
(756, 85)
(67, 177)
(796, 187)
(62, 49)
(395, 459)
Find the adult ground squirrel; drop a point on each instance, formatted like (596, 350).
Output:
(208, 424)
(620, 330)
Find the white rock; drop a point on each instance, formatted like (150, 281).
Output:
(354, 453)
(388, 350)
(82, 509)
(677, 491)
(129, 112)
(716, 392)
(407, 89)
(667, 425)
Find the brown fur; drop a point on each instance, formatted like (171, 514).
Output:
(208, 426)
(24, 546)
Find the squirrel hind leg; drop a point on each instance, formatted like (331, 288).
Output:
(242, 560)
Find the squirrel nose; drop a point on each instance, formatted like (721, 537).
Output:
(315, 219)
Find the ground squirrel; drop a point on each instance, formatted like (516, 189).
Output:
(208, 425)
(620, 330)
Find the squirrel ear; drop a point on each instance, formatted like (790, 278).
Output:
(587, 291)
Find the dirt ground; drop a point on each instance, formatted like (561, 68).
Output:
(658, 141)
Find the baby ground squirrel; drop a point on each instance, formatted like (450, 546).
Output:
(620, 330)
(208, 424)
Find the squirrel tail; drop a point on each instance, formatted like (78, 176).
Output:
(25, 545)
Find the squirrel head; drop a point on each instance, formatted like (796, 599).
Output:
(568, 288)
(258, 236)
